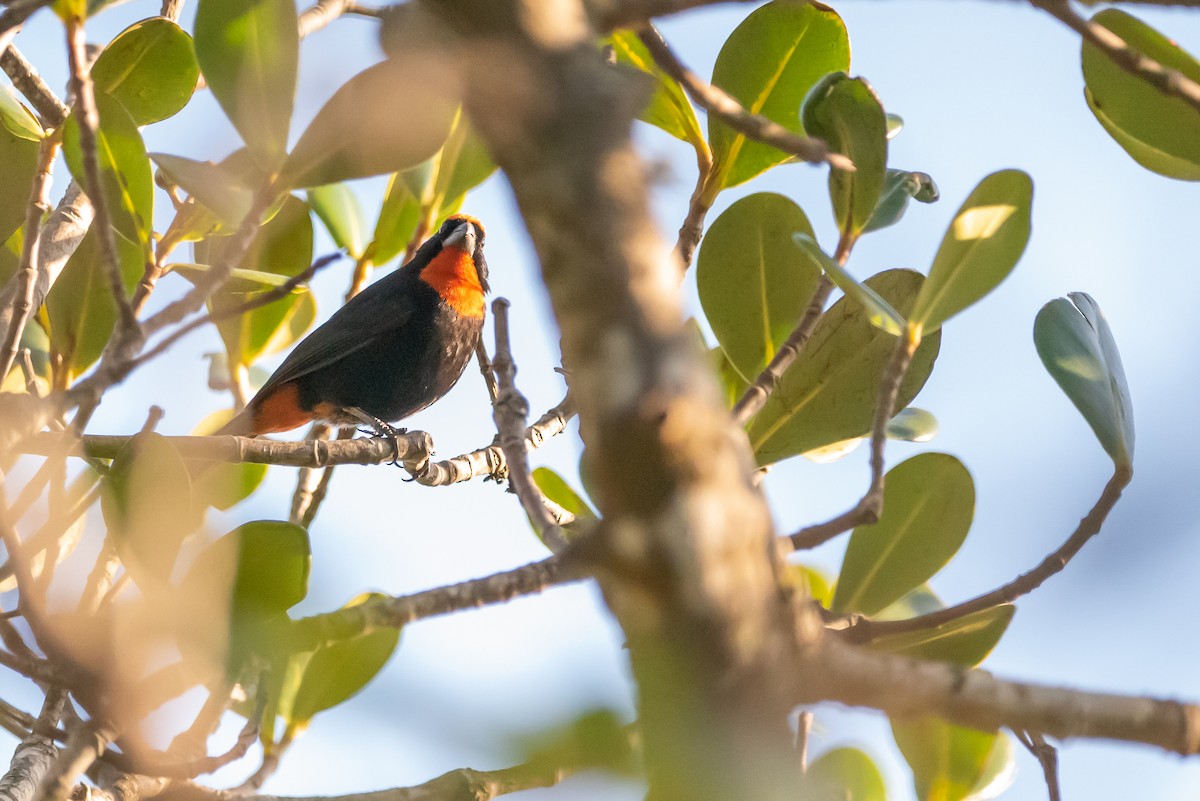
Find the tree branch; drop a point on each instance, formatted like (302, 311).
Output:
(33, 756)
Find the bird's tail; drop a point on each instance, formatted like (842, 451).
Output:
(242, 425)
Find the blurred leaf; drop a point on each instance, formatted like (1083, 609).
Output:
(966, 641)
(1077, 347)
(913, 425)
(595, 739)
(879, 311)
(669, 108)
(125, 175)
(555, 487)
(898, 187)
(754, 284)
(847, 114)
(928, 504)
(462, 164)
(1160, 131)
(147, 503)
(895, 124)
(843, 774)
(80, 304)
(768, 64)
(399, 215)
(954, 763)
(16, 118)
(223, 485)
(733, 386)
(338, 208)
(150, 68)
(390, 116)
(248, 51)
(19, 158)
(834, 451)
(241, 281)
(339, 670)
(213, 185)
(813, 581)
(10, 255)
(981, 247)
(829, 392)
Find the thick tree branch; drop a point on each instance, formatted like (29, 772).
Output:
(84, 746)
(33, 756)
(30, 84)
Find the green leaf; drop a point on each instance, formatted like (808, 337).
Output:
(265, 564)
(80, 304)
(895, 124)
(733, 385)
(337, 671)
(812, 581)
(284, 246)
(913, 425)
(668, 108)
(768, 64)
(17, 119)
(150, 68)
(898, 187)
(879, 311)
(215, 186)
(388, 117)
(338, 208)
(928, 504)
(19, 157)
(954, 763)
(829, 392)
(1160, 131)
(398, 217)
(1078, 349)
(754, 284)
(240, 281)
(843, 774)
(125, 175)
(248, 51)
(966, 641)
(847, 114)
(147, 503)
(555, 487)
(462, 164)
(981, 247)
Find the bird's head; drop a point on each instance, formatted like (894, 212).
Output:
(466, 234)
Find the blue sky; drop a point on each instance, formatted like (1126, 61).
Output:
(981, 86)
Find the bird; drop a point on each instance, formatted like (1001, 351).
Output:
(390, 351)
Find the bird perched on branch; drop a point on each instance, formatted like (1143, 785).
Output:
(393, 349)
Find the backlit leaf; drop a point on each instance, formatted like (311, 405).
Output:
(337, 207)
(843, 774)
(150, 68)
(898, 187)
(954, 763)
(18, 157)
(668, 108)
(880, 312)
(16, 118)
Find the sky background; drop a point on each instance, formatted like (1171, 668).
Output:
(981, 86)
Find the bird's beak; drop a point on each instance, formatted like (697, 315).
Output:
(463, 237)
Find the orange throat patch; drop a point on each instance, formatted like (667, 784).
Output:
(453, 276)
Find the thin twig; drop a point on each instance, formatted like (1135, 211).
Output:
(692, 229)
(486, 368)
(322, 488)
(803, 730)
(39, 204)
(88, 116)
(29, 83)
(172, 9)
(1047, 757)
(720, 104)
(510, 411)
(307, 478)
(17, 13)
(870, 506)
(864, 630)
(1166, 80)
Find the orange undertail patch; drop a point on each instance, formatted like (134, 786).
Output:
(280, 411)
(453, 276)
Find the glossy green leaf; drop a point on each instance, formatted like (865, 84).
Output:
(398, 216)
(668, 108)
(768, 64)
(1078, 349)
(754, 284)
(898, 187)
(1160, 131)
(338, 670)
(829, 392)
(284, 246)
(965, 641)
(913, 425)
(555, 487)
(337, 208)
(125, 174)
(150, 68)
(954, 763)
(18, 163)
(388, 117)
(843, 774)
(879, 311)
(928, 505)
(248, 51)
(80, 304)
(147, 503)
(981, 247)
(847, 114)
(217, 187)
(16, 118)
